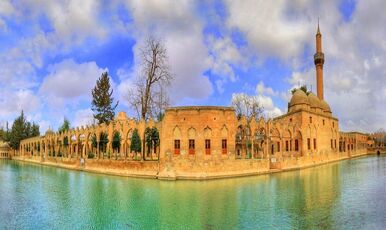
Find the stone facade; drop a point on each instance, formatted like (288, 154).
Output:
(202, 142)
(353, 142)
(5, 150)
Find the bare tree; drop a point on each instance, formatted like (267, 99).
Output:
(149, 96)
(247, 106)
(250, 108)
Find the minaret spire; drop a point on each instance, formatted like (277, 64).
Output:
(318, 32)
(319, 61)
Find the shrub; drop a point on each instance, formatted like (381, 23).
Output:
(90, 155)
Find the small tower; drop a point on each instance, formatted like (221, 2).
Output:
(319, 61)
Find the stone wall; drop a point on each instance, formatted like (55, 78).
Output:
(200, 142)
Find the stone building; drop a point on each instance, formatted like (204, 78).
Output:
(353, 142)
(203, 142)
(5, 150)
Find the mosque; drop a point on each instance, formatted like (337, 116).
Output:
(204, 142)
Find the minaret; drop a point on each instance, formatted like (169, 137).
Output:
(319, 61)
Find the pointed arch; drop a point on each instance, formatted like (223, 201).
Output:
(224, 132)
(207, 132)
(287, 142)
(191, 133)
(298, 142)
(176, 132)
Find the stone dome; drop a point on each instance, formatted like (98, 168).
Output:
(4, 145)
(314, 101)
(49, 132)
(325, 106)
(121, 116)
(299, 97)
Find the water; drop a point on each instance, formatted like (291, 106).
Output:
(346, 195)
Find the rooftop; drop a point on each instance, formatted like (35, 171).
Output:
(201, 108)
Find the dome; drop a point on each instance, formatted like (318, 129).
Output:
(121, 116)
(299, 97)
(4, 145)
(49, 132)
(325, 106)
(314, 101)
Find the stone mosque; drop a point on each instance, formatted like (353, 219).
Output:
(205, 142)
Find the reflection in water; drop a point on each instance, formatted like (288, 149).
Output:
(349, 194)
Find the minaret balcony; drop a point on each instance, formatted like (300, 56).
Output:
(319, 58)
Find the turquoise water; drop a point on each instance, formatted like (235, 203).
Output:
(346, 195)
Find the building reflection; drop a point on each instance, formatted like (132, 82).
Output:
(307, 197)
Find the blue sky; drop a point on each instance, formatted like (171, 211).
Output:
(52, 52)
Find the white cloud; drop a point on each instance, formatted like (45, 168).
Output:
(83, 117)
(266, 102)
(6, 8)
(17, 74)
(127, 84)
(224, 54)
(3, 25)
(69, 79)
(68, 86)
(261, 89)
(353, 73)
(270, 110)
(76, 18)
(267, 27)
(44, 125)
(182, 34)
(13, 102)
(72, 21)
(189, 80)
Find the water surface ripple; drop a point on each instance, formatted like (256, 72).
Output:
(345, 195)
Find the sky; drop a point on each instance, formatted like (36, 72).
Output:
(52, 53)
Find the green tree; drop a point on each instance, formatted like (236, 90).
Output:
(151, 138)
(302, 88)
(22, 129)
(65, 144)
(18, 132)
(4, 134)
(148, 139)
(102, 100)
(34, 130)
(94, 143)
(65, 126)
(135, 142)
(103, 140)
(116, 143)
(65, 141)
(155, 135)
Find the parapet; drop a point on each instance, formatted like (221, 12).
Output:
(200, 108)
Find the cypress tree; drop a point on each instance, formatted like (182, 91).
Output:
(22, 129)
(65, 126)
(94, 143)
(148, 139)
(2, 134)
(116, 143)
(135, 142)
(102, 100)
(5, 134)
(103, 140)
(18, 131)
(34, 130)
